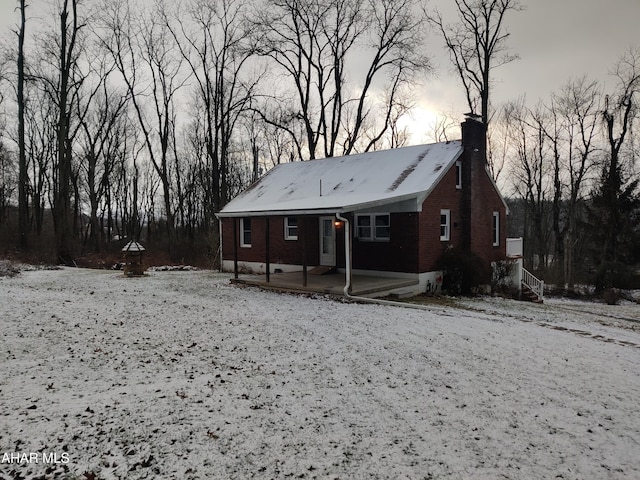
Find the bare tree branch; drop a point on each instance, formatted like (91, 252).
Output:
(477, 45)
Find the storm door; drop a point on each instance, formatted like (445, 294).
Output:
(327, 241)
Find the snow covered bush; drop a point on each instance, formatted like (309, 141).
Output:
(502, 278)
(7, 269)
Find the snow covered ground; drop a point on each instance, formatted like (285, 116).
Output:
(181, 375)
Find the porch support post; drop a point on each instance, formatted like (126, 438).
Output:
(221, 259)
(349, 249)
(235, 248)
(267, 246)
(303, 236)
(347, 253)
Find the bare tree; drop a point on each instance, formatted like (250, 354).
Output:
(525, 130)
(23, 176)
(547, 121)
(150, 64)
(71, 77)
(100, 129)
(620, 111)
(555, 171)
(498, 150)
(125, 198)
(7, 181)
(67, 84)
(269, 144)
(214, 39)
(8, 177)
(443, 127)
(394, 135)
(311, 41)
(578, 106)
(398, 136)
(40, 143)
(477, 44)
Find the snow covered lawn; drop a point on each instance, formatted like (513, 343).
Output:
(181, 375)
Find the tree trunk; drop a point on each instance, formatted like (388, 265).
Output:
(62, 203)
(23, 177)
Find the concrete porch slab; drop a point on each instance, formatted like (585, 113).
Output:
(333, 284)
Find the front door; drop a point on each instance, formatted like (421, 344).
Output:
(327, 241)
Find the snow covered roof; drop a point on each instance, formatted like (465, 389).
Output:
(346, 184)
(133, 247)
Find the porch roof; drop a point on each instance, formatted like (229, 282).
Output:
(346, 184)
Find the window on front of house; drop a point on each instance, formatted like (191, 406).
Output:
(382, 227)
(363, 227)
(458, 174)
(291, 228)
(245, 232)
(495, 229)
(373, 227)
(445, 225)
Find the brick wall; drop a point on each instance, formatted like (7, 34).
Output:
(482, 196)
(399, 254)
(444, 196)
(281, 250)
(485, 201)
(471, 207)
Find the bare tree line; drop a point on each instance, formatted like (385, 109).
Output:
(145, 119)
(575, 167)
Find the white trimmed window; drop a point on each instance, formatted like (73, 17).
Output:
(375, 227)
(245, 232)
(291, 228)
(458, 174)
(445, 225)
(495, 229)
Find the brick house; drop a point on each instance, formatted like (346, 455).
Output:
(387, 214)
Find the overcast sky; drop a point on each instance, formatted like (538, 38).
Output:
(557, 40)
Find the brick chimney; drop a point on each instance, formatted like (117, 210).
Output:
(474, 135)
(474, 161)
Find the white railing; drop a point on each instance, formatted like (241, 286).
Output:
(535, 285)
(514, 247)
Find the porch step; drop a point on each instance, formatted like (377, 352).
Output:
(403, 294)
(529, 295)
(321, 270)
(390, 284)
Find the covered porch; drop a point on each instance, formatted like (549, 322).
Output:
(330, 283)
(316, 254)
